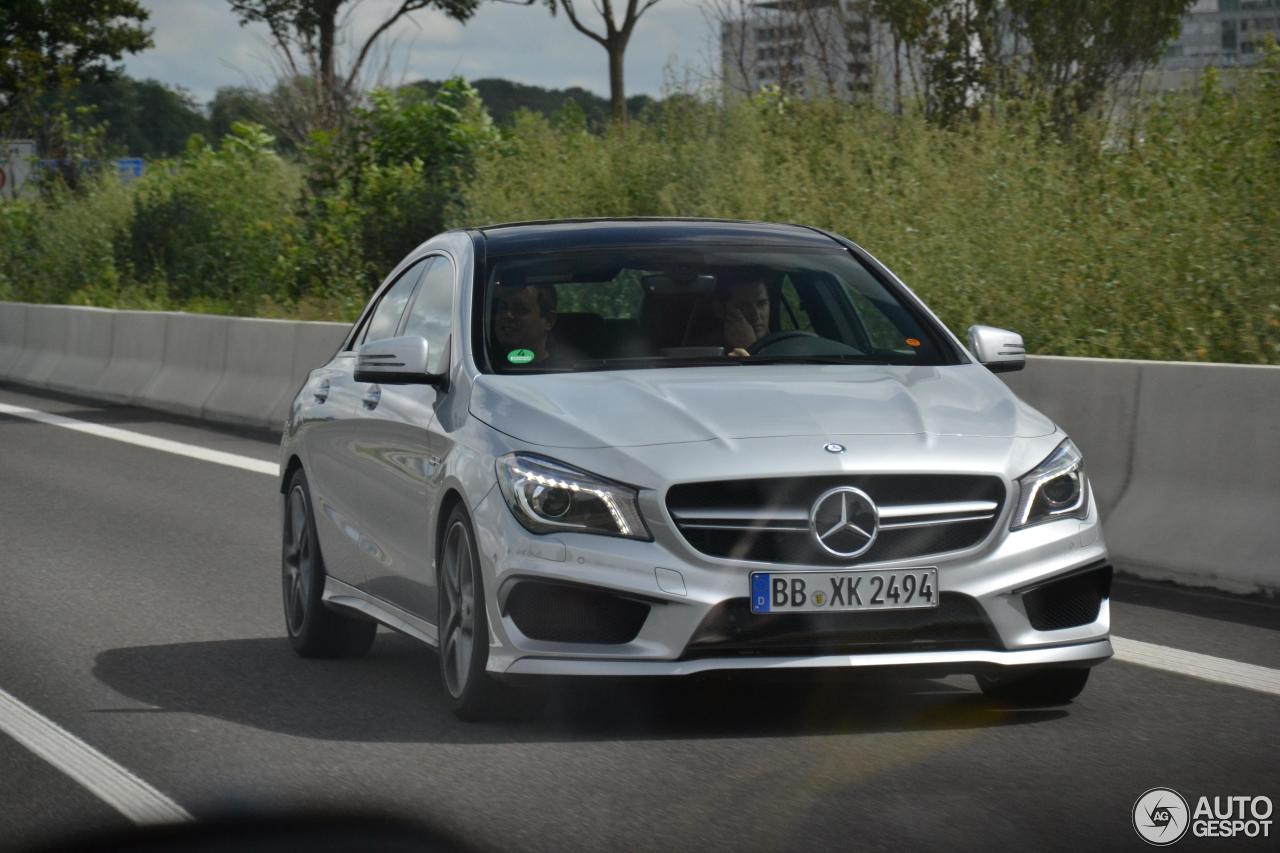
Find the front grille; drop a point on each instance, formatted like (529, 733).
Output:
(732, 629)
(768, 520)
(572, 614)
(1070, 602)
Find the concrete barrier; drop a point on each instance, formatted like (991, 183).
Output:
(195, 352)
(44, 344)
(88, 350)
(317, 342)
(137, 352)
(1096, 401)
(1203, 503)
(257, 380)
(13, 329)
(1184, 458)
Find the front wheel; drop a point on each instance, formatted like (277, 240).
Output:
(314, 630)
(1039, 687)
(463, 621)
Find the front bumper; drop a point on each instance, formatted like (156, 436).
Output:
(681, 588)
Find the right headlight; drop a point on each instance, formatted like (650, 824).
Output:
(1056, 488)
(549, 497)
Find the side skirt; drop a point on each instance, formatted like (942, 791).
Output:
(346, 597)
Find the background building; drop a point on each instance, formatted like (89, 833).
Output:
(836, 48)
(1223, 34)
(805, 47)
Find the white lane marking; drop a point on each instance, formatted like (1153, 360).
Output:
(101, 776)
(193, 451)
(1220, 670)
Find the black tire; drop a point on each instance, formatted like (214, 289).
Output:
(314, 630)
(463, 622)
(1039, 687)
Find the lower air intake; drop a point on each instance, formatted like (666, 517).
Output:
(571, 614)
(1069, 602)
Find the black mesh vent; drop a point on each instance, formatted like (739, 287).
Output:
(1069, 602)
(732, 629)
(572, 614)
(799, 493)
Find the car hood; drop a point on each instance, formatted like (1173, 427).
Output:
(634, 408)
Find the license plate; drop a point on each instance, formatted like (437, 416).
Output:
(826, 592)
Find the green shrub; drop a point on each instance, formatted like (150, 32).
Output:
(1157, 237)
(62, 242)
(1165, 246)
(410, 158)
(218, 228)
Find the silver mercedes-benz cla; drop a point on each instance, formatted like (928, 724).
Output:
(665, 447)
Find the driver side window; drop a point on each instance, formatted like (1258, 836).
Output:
(386, 317)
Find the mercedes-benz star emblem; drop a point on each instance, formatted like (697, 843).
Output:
(845, 521)
(833, 448)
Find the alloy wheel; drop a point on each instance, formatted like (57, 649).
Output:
(299, 561)
(457, 634)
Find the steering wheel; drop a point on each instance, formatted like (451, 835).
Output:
(772, 338)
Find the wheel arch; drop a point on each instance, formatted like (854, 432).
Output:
(452, 498)
(294, 463)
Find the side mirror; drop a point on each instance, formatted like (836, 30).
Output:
(395, 361)
(1000, 350)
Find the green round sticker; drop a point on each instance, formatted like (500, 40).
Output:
(520, 356)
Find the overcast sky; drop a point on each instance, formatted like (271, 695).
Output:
(200, 46)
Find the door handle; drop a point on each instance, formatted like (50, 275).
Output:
(322, 393)
(372, 396)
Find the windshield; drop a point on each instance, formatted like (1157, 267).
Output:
(663, 307)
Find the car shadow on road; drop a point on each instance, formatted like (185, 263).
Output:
(394, 694)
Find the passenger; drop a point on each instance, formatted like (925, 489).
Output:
(523, 318)
(740, 305)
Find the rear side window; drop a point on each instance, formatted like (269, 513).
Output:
(386, 317)
(431, 313)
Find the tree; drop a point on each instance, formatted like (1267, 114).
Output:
(232, 104)
(307, 35)
(1066, 53)
(1080, 48)
(144, 118)
(50, 46)
(616, 37)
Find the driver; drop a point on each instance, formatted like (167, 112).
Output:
(740, 305)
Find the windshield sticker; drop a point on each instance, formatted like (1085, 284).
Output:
(520, 356)
(913, 342)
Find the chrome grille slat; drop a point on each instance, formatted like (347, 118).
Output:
(768, 520)
(901, 525)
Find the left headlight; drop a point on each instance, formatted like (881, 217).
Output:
(1056, 488)
(548, 496)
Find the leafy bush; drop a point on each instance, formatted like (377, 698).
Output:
(218, 227)
(62, 242)
(1154, 237)
(1162, 245)
(412, 155)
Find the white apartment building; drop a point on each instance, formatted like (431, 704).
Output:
(834, 48)
(805, 47)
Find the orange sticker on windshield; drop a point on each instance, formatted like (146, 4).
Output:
(913, 342)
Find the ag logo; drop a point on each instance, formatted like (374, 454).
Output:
(1161, 816)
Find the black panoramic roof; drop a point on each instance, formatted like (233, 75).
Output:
(575, 234)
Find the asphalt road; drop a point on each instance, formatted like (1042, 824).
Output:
(140, 611)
